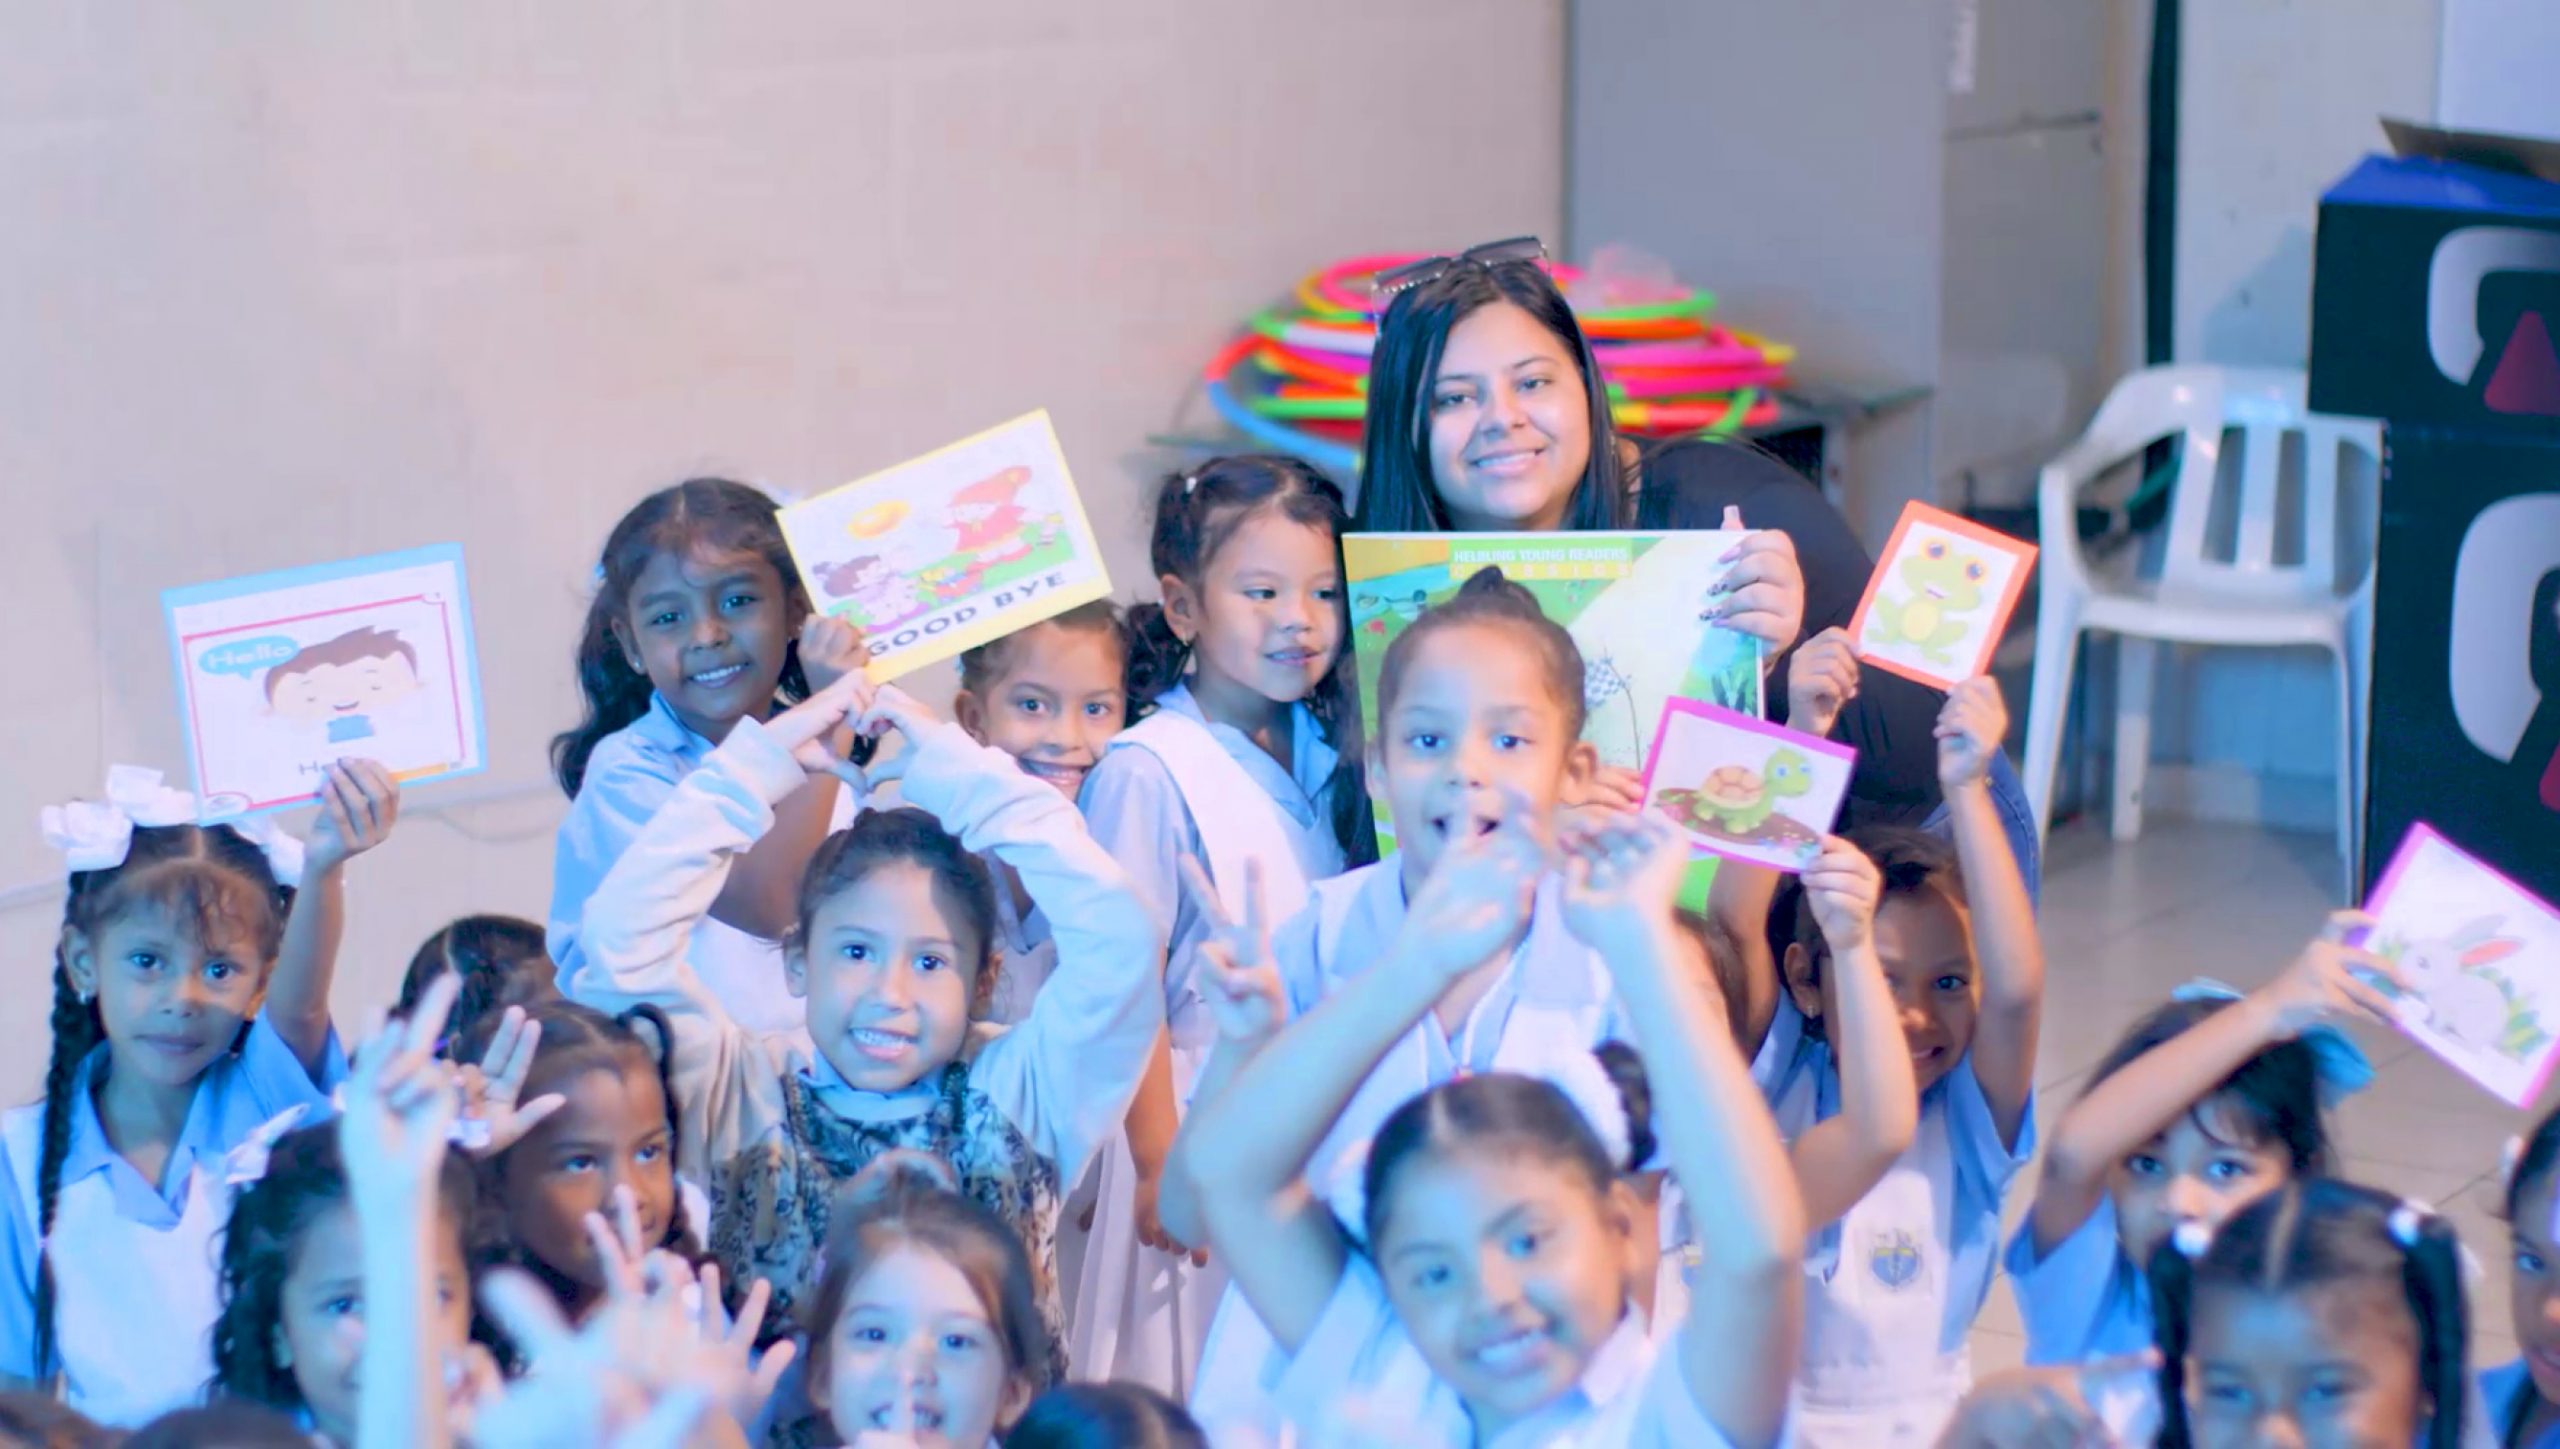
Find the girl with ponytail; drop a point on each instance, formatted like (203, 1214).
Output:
(2325, 1309)
(1247, 765)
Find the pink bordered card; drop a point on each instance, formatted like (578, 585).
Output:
(1743, 787)
(1939, 599)
(2479, 961)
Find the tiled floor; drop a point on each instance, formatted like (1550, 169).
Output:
(2124, 924)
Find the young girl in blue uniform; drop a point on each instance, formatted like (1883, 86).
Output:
(190, 1020)
(1481, 1297)
(2207, 1104)
(2522, 1399)
(1238, 767)
(1478, 698)
(1894, 1284)
(1051, 696)
(699, 621)
(890, 950)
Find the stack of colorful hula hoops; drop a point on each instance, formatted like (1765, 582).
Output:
(1297, 378)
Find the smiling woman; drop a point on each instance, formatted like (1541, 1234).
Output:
(1485, 415)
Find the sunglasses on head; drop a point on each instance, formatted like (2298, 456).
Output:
(1393, 280)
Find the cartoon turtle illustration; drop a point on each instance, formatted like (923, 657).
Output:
(1739, 799)
(1944, 584)
(2474, 1006)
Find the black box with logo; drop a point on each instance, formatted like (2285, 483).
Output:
(2435, 305)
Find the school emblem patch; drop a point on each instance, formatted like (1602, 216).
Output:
(1894, 1256)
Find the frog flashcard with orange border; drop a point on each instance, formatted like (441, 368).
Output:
(943, 553)
(1940, 598)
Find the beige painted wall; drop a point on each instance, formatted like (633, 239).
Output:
(289, 282)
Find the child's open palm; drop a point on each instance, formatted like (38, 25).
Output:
(1621, 877)
(1822, 678)
(1969, 732)
(493, 1120)
(2331, 978)
(1241, 983)
(1842, 886)
(1478, 894)
(359, 803)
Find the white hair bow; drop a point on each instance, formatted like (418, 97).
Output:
(98, 834)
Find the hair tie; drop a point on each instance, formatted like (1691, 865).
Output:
(2407, 1220)
(1588, 1086)
(2341, 1066)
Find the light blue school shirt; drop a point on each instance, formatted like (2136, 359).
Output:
(1984, 1168)
(236, 1096)
(2497, 1392)
(1135, 810)
(2083, 1300)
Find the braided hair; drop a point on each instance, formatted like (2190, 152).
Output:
(209, 877)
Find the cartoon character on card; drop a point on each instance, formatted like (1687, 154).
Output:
(988, 520)
(879, 593)
(1945, 584)
(2465, 1001)
(339, 685)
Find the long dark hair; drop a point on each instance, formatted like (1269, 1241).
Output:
(305, 1179)
(1195, 514)
(1396, 491)
(2312, 1232)
(699, 513)
(210, 877)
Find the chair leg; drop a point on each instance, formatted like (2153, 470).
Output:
(2049, 699)
(2347, 792)
(2359, 667)
(2136, 666)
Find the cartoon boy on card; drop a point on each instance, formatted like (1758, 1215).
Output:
(339, 684)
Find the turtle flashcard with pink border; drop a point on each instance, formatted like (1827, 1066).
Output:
(946, 552)
(1940, 598)
(281, 674)
(1743, 787)
(2479, 963)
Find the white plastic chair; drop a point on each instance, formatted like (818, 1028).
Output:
(2244, 597)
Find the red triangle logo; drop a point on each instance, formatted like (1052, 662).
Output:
(2527, 379)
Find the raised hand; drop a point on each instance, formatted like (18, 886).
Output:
(1821, 680)
(359, 803)
(1610, 788)
(1764, 590)
(400, 1102)
(493, 1120)
(1238, 978)
(808, 729)
(1843, 886)
(1477, 897)
(1969, 732)
(1621, 877)
(2331, 978)
(830, 649)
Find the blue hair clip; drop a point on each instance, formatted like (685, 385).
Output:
(2341, 1065)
